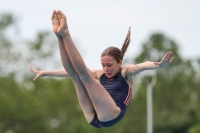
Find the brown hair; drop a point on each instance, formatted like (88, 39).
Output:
(115, 52)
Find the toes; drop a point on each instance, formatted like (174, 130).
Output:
(54, 12)
(62, 14)
(54, 18)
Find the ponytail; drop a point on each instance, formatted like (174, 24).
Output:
(115, 52)
(126, 42)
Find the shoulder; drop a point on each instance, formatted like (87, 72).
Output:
(126, 69)
(97, 73)
(125, 74)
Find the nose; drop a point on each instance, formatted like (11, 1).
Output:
(106, 69)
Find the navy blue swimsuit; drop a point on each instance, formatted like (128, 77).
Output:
(120, 92)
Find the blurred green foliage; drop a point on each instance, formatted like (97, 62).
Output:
(175, 95)
(50, 105)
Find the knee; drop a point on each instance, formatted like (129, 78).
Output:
(109, 115)
(89, 117)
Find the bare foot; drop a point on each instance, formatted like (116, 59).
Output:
(63, 28)
(55, 22)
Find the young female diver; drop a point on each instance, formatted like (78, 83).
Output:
(103, 103)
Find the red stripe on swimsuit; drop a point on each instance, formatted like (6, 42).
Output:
(129, 96)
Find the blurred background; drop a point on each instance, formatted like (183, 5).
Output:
(50, 105)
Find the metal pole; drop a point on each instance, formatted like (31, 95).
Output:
(149, 88)
(149, 109)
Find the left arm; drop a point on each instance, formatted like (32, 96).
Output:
(148, 65)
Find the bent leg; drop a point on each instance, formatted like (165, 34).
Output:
(103, 103)
(82, 95)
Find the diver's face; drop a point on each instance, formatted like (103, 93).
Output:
(110, 66)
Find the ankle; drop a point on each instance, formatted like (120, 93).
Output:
(64, 33)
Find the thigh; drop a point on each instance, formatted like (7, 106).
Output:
(103, 103)
(99, 124)
(84, 99)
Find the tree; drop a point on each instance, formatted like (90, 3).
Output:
(195, 128)
(17, 53)
(175, 94)
(7, 22)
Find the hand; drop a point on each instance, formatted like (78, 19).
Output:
(39, 74)
(166, 60)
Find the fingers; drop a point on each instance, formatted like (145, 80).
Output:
(169, 57)
(32, 69)
(35, 71)
(164, 58)
(171, 60)
(36, 78)
(170, 54)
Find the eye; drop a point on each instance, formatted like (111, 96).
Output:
(109, 65)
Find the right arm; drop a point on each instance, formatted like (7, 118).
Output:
(149, 65)
(62, 73)
(52, 73)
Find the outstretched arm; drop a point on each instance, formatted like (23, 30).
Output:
(52, 73)
(62, 73)
(148, 65)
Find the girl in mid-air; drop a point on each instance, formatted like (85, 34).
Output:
(103, 103)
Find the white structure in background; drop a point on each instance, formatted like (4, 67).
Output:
(149, 87)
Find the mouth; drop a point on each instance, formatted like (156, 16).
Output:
(108, 74)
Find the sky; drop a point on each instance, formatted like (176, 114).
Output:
(95, 25)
